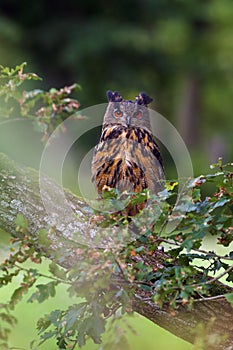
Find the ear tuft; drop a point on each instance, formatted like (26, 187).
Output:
(143, 99)
(114, 96)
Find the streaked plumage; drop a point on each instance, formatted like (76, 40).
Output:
(127, 157)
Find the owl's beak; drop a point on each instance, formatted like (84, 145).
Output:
(128, 120)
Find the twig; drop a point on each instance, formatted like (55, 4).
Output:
(198, 250)
(214, 279)
(215, 297)
(43, 275)
(75, 343)
(230, 268)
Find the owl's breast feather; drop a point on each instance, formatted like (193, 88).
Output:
(127, 158)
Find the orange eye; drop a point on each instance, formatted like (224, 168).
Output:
(118, 113)
(138, 114)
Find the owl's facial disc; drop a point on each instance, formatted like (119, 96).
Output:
(128, 113)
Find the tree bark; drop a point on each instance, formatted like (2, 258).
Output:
(19, 193)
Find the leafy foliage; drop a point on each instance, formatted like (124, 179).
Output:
(46, 109)
(171, 268)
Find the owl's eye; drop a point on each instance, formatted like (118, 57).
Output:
(118, 113)
(138, 114)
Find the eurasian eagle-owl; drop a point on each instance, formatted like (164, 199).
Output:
(127, 157)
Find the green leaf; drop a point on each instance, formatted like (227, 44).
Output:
(61, 343)
(220, 203)
(73, 314)
(5, 346)
(95, 328)
(43, 323)
(46, 336)
(196, 194)
(21, 223)
(43, 238)
(229, 298)
(55, 317)
(81, 337)
(10, 319)
(163, 195)
(171, 185)
(17, 295)
(44, 292)
(175, 252)
(57, 271)
(184, 260)
(230, 277)
(110, 193)
(140, 197)
(71, 318)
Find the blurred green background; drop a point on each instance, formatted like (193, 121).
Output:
(179, 51)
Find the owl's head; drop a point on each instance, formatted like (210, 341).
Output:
(126, 112)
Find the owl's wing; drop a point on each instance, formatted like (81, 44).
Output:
(148, 156)
(144, 152)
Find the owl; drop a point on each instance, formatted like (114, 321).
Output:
(127, 157)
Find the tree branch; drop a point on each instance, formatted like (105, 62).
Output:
(19, 193)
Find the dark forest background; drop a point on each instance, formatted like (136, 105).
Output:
(180, 52)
